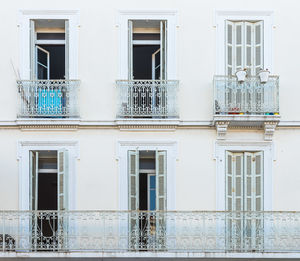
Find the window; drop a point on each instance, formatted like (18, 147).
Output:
(147, 54)
(49, 49)
(49, 174)
(244, 46)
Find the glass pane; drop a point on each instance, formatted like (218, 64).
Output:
(152, 199)
(152, 182)
(42, 72)
(42, 57)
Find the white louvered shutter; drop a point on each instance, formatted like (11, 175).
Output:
(161, 175)
(34, 168)
(244, 46)
(253, 181)
(133, 170)
(33, 75)
(62, 179)
(234, 180)
(258, 46)
(229, 48)
(67, 41)
(130, 50)
(163, 50)
(234, 197)
(258, 182)
(229, 180)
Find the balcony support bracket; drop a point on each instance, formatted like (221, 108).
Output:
(221, 127)
(269, 127)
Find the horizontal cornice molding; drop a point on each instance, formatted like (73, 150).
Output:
(120, 124)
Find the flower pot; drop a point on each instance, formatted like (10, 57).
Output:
(263, 76)
(241, 75)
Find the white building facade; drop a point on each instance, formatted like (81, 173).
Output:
(137, 129)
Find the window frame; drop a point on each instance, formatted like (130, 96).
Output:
(24, 18)
(122, 21)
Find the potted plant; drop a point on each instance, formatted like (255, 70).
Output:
(241, 75)
(263, 75)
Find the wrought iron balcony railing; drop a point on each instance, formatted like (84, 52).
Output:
(250, 97)
(48, 98)
(147, 98)
(171, 231)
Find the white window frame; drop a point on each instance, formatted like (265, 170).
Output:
(124, 146)
(24, 46)
(24, 174)
(122, 21)
(240, 146)
(220, 19)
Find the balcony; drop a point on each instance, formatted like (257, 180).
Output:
(167, 231)
(247, 104)
(48, 98)
(146, 99)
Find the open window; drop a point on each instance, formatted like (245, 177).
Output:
(49, 49)
(147, 49)
(49, 195)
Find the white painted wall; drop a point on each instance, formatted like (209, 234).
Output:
(97, 181)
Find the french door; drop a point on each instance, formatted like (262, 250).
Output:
(244, 200)
(49, 226)
(147, 228)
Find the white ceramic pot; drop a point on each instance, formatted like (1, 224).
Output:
(241, 75)
(264, 76)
